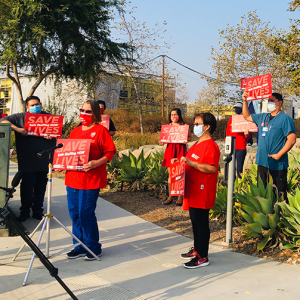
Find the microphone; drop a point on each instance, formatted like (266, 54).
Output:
(16, 180)
(46, 152)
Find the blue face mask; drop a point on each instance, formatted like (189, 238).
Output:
(35, 109)
(198, 130)
(238, 110)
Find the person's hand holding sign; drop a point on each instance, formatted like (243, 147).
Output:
(245, 95)
(93, 164)
(174, 160)
(23, 131)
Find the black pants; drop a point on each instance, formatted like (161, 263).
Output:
(33, 187)
(200, 224)
(279, 178)
(240, 159)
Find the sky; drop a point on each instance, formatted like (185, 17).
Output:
(193, 26)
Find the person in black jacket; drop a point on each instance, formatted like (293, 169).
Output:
(34, 170)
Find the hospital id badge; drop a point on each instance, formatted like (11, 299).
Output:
(264, 131)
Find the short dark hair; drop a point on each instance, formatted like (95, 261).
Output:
(208, 119)
(32, 98)
(95, 110)
(101, 102)
(178, 111)
(278, 96)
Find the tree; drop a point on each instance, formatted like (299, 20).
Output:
(145, 43)
(244, 52)
(63, 39)
(286, 47)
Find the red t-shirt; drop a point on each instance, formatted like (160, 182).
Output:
(101, 145)
(240, 137)
(200, 188)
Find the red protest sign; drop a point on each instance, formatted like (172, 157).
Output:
(44, 125)
(73, 155)
(259, 87)
(177, 172)
(174, 134)
(239, 124)
(105, 121)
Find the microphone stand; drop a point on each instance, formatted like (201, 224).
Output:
(10, 220)
(46, 219)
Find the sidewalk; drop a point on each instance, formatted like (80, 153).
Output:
(140, 261)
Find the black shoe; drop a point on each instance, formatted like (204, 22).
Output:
(190, 254)
(74, 254)
(197, 262)
(89, 256)
(22, 218)
(38, 216)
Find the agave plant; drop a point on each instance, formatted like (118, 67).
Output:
(157, 178)
(220, 209)
(294, 159)
(293, 179)
(133, 171)
(261, 213)
(290, 222)
(113, 166)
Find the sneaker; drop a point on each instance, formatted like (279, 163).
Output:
(190, 254)
(89, 256)
(197, 262)
(74, 254)
(22, 218)
(38, 216)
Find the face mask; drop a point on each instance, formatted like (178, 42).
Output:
(101, 111)
(198, 130)
(271, 106)
(174, 119)
(85, 119)
(238, 110)
(35, 109)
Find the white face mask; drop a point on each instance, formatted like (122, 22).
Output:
(271, 106)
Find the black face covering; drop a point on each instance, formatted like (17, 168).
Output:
(238, 110)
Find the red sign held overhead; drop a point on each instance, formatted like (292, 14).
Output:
(259, 87)
(239, 124)
(177, 172)
(73, 155)
(174, 134)
(105, 121)
(44, 125)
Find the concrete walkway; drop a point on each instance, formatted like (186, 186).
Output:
(140, 261)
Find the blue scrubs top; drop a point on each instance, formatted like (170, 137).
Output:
(274, 140)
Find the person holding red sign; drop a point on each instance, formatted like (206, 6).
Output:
(34, 170)
(112, 129)
(174, 150)
(83, 186)
(201, 176)
(277, 135)
(240, 141)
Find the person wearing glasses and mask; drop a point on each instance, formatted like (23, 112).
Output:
(83, 187)
(34, 170)
(240, 141)
(201, 176)
(174, 150)
(277, 135)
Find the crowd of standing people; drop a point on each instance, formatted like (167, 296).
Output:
(275, 129)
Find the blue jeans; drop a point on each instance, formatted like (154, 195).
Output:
(82, 206)
(240, 158)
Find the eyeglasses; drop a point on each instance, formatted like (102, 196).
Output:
(85, 111)
(196, 124)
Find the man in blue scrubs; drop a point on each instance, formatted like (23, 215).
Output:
(277, 135)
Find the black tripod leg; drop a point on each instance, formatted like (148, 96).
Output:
(5, 214)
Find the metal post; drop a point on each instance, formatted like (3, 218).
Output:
(230, 190)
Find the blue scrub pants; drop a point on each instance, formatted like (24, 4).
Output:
(82, 206)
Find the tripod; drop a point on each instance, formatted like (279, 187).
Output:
(10, 220)
(45, 222)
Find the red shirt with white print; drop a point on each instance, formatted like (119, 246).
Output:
(102, 145)
(200, 188)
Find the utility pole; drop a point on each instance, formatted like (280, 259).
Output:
(163, 88)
